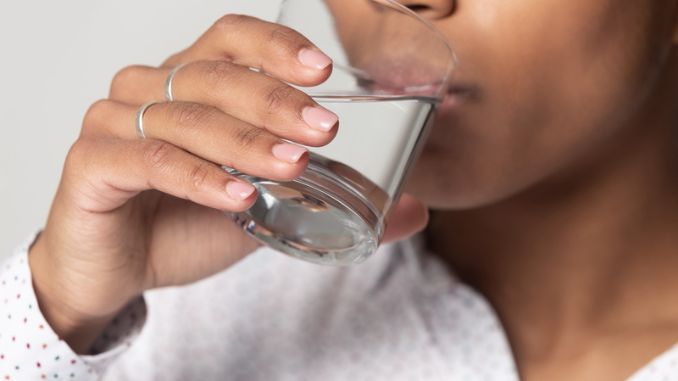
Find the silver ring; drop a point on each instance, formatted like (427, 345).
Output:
(140, 118)
(169, 94)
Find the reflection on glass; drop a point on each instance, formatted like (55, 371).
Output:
(385, 89)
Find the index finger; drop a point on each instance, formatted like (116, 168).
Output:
(276, 49)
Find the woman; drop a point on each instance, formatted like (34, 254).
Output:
(551, 252)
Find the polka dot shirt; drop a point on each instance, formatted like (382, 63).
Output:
(398, 316)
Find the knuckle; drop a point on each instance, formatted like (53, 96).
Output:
(122, 79)
(277, 96)
(174, 59)
(189, 115)
(218, 73)
(247, 137)
(287, 41)
(157, 154)
(79, 157)
(76, 153)
(95, 114)
(199, 175)
(232, 20)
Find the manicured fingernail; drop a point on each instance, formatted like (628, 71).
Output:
(239, 191)
(288, 152)
(319, 118)
(314, 59)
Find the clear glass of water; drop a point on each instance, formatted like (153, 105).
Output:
(385, 88)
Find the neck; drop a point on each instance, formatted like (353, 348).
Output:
(595, 248)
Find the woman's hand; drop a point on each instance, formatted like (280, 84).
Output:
(133, 214)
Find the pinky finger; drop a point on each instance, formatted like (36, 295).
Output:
(106, 173)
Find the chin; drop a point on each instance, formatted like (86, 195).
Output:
(447, 183)
(437, 188)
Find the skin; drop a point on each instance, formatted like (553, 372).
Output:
(555, 184)
(552, 183)
(130, 214)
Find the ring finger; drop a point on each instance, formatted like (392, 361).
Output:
(206, 132)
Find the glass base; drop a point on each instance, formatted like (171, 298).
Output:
(316, 217)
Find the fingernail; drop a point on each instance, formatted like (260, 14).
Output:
(288, 152)
(239, 191)
(319, 118)
(314, 59)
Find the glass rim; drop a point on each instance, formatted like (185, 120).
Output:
(398, 7)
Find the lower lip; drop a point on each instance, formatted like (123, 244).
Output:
(451, 101)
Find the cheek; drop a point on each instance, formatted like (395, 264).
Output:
(557, 79)
(554, 67)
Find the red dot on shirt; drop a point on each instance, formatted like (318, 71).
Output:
(73, 361)
(38, 364)
(28, 345)
(44, 346)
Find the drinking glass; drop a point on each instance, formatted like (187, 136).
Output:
(385, 86)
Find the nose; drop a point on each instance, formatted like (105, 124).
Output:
(431, 9)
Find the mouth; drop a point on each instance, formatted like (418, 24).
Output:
(458, 94)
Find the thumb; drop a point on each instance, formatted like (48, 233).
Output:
(407, 218)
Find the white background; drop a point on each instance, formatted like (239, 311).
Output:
(56, 58)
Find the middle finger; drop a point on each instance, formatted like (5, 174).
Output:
(250, 96)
